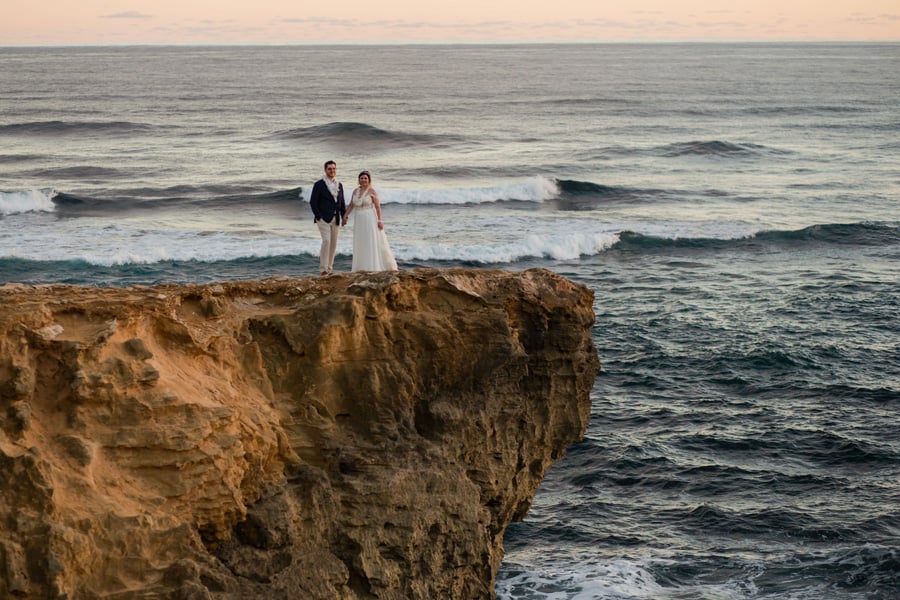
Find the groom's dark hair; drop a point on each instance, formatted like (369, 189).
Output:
(329, 162)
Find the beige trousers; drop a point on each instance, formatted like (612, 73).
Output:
(329, 233)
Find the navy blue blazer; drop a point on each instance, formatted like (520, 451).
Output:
(323, 204)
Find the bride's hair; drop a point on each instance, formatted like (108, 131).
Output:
(366, 173)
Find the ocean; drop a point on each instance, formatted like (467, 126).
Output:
(734, 207)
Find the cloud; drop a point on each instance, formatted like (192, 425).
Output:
(397, 24)
(322, 21)
(129, 14)
(872, 19)
(453, 26)
(606, 24)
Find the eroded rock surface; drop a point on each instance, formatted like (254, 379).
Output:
(356, 436)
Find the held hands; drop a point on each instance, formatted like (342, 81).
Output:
(344, 221)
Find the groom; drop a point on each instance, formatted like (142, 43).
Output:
(327, 202)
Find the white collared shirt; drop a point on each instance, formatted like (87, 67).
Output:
(333, 186)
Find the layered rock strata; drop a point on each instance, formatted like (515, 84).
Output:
(349, 437)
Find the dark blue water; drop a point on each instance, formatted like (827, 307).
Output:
(735, 208)
(742, 441)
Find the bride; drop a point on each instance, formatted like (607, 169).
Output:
(371, 251)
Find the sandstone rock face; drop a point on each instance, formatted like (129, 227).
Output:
(356, 436)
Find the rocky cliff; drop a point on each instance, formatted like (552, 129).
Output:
(355, 436)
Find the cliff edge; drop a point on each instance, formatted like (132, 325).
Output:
(349, 437)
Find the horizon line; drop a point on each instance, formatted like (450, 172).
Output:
(449, 43)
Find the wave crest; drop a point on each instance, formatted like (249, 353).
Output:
(849, 234)
(50, 128)
(713, 148)
(535, 189)
(580, 195)
(557, 247)
(854, 234)
(12, 203)
(349, 134)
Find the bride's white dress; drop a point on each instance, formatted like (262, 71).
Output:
(371, 251)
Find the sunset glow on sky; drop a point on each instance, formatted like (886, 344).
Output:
(58, 22)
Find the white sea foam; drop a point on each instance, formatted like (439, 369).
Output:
(12, 203)
(153, 248)
(502, 238)
(42, 237)
(698, 229)
(568, 246)
(149, 248)
(616, 579)
(534, 189)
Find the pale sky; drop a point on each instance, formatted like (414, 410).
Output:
(65, 22)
